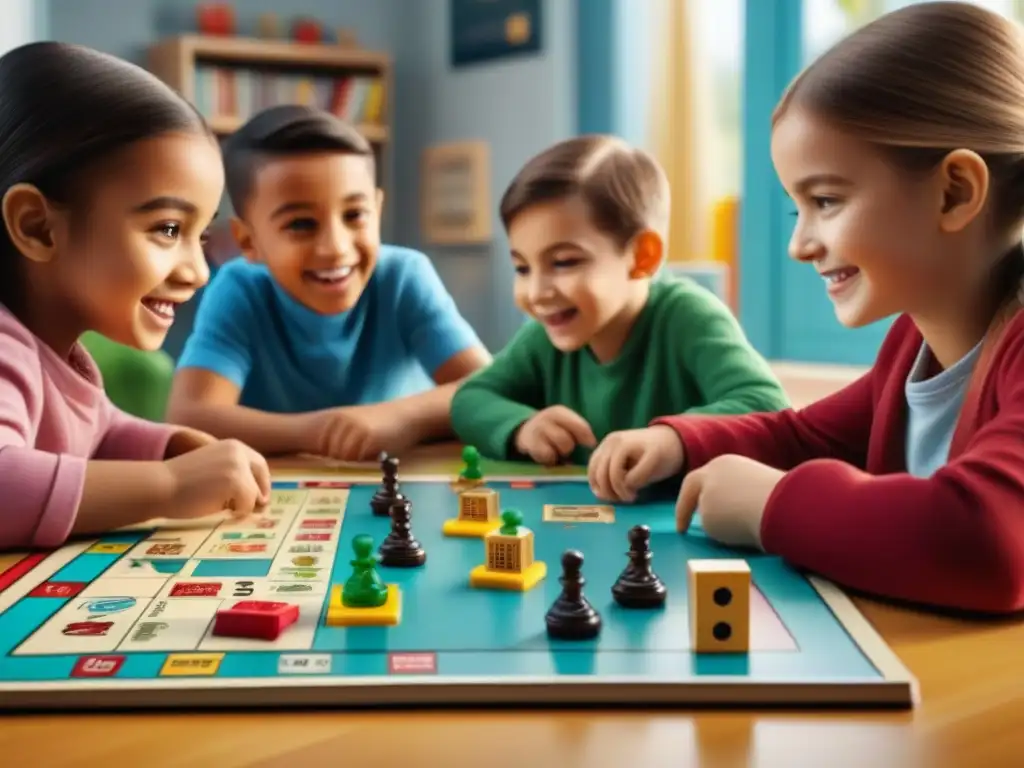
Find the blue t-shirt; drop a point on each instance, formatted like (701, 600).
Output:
(286, 358)
(934, 407)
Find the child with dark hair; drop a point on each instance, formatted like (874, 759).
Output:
(322, 339)
(609, 344)
(109, 180)
(903, 150)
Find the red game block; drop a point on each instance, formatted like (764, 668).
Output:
(258, 619)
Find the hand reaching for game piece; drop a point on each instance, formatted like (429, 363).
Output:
(226, 474)
(627, 461)
(362, 432)
(731, 492)
(552, 434)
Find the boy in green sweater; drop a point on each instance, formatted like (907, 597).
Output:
(607, 347)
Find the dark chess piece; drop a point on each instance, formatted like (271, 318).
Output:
(571, 616)
(638, 586)
(388, 492)
(400, 549)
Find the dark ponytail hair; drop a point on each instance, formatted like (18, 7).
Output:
(65, 107)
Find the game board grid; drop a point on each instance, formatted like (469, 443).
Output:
(559, 660)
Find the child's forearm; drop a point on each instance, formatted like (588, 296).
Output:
(120, 493)
(429, 413)
(264, 432)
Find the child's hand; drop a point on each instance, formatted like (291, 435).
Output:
(226, 474)
(553, 434)
(362, 432)
(732, 492)
(185, 440)
(627, 461)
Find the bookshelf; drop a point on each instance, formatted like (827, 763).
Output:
(230, 78)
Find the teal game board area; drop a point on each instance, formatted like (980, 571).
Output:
(127, 619)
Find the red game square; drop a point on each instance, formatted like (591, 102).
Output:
(313, 537)
(522, 484)
(257, 619)
(57, 589)
(97, 666)
(318, 523)
(199, 589)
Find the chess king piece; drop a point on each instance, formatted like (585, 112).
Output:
(571, 616)
(364, 588)
(389, 491)
(638, 586)
(400, 549)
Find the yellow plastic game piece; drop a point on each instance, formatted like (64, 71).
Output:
(719, 603)
(478, 514)
(388, 614)
(510, 564)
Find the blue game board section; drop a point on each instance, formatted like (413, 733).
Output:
(232, 569)
(493, 634)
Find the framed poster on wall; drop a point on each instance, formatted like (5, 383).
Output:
(485, 30)
(455, 201)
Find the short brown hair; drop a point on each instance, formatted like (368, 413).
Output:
(624, 188)
(923, 81)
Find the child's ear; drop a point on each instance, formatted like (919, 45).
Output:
(380, 200)
(965, 188)
(242, 233)
(30, 222)
(648, 251)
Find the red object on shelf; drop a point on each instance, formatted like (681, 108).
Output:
(257, 619)
(215, 18)
(307, 31)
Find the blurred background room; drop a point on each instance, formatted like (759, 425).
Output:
(457, 94)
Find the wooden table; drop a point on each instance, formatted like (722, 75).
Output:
(971, 716)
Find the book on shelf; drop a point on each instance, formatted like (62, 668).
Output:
(235, 94)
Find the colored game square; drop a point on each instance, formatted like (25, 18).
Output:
(412, 663)
(60, 589)
(522, 485)
(388, 614)
(109, 548)
(258, 619)
(97, 666)
(191, 664)
(231, 569)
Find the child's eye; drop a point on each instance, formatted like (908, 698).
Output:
(521, 270)
(823, 202)
(169, 229)
(301, 225)
(566, 263)
(355, 215)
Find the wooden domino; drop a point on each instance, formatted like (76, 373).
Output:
(719, 603)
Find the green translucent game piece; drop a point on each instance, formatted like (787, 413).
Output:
(511, 519)
(364, 588)
(471, 470)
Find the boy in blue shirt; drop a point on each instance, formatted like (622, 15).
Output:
(321, 340)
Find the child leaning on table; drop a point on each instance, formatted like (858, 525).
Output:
(608, 345)
(109, 181)
(907, 173)
(321, 339)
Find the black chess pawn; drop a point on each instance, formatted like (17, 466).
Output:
(388, 492)
(571, 616)
(638, 586)
(400, 549)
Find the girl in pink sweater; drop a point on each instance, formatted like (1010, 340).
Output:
(108, 182)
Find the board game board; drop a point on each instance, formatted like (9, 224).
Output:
(125, 620)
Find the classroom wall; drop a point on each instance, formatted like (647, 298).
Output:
(530, 103)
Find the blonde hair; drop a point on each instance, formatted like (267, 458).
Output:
(625, 189)
(923, 81)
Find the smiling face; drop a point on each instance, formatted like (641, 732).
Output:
(873, 231)
(572, 278)
(121, 261)
(314, 220)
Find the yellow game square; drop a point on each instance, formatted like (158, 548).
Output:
(108, 548)
(340, 615)
(179, 664)
(469, 528)
(483, 578)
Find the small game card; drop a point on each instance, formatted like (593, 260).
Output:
(582, 513)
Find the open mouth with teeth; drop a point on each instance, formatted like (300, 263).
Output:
(560, 318)
(162, 309)
(835, 277)
(329, 277)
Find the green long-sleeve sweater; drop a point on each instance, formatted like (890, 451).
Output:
(685, 354)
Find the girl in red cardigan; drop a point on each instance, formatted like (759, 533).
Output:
(903, 151)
